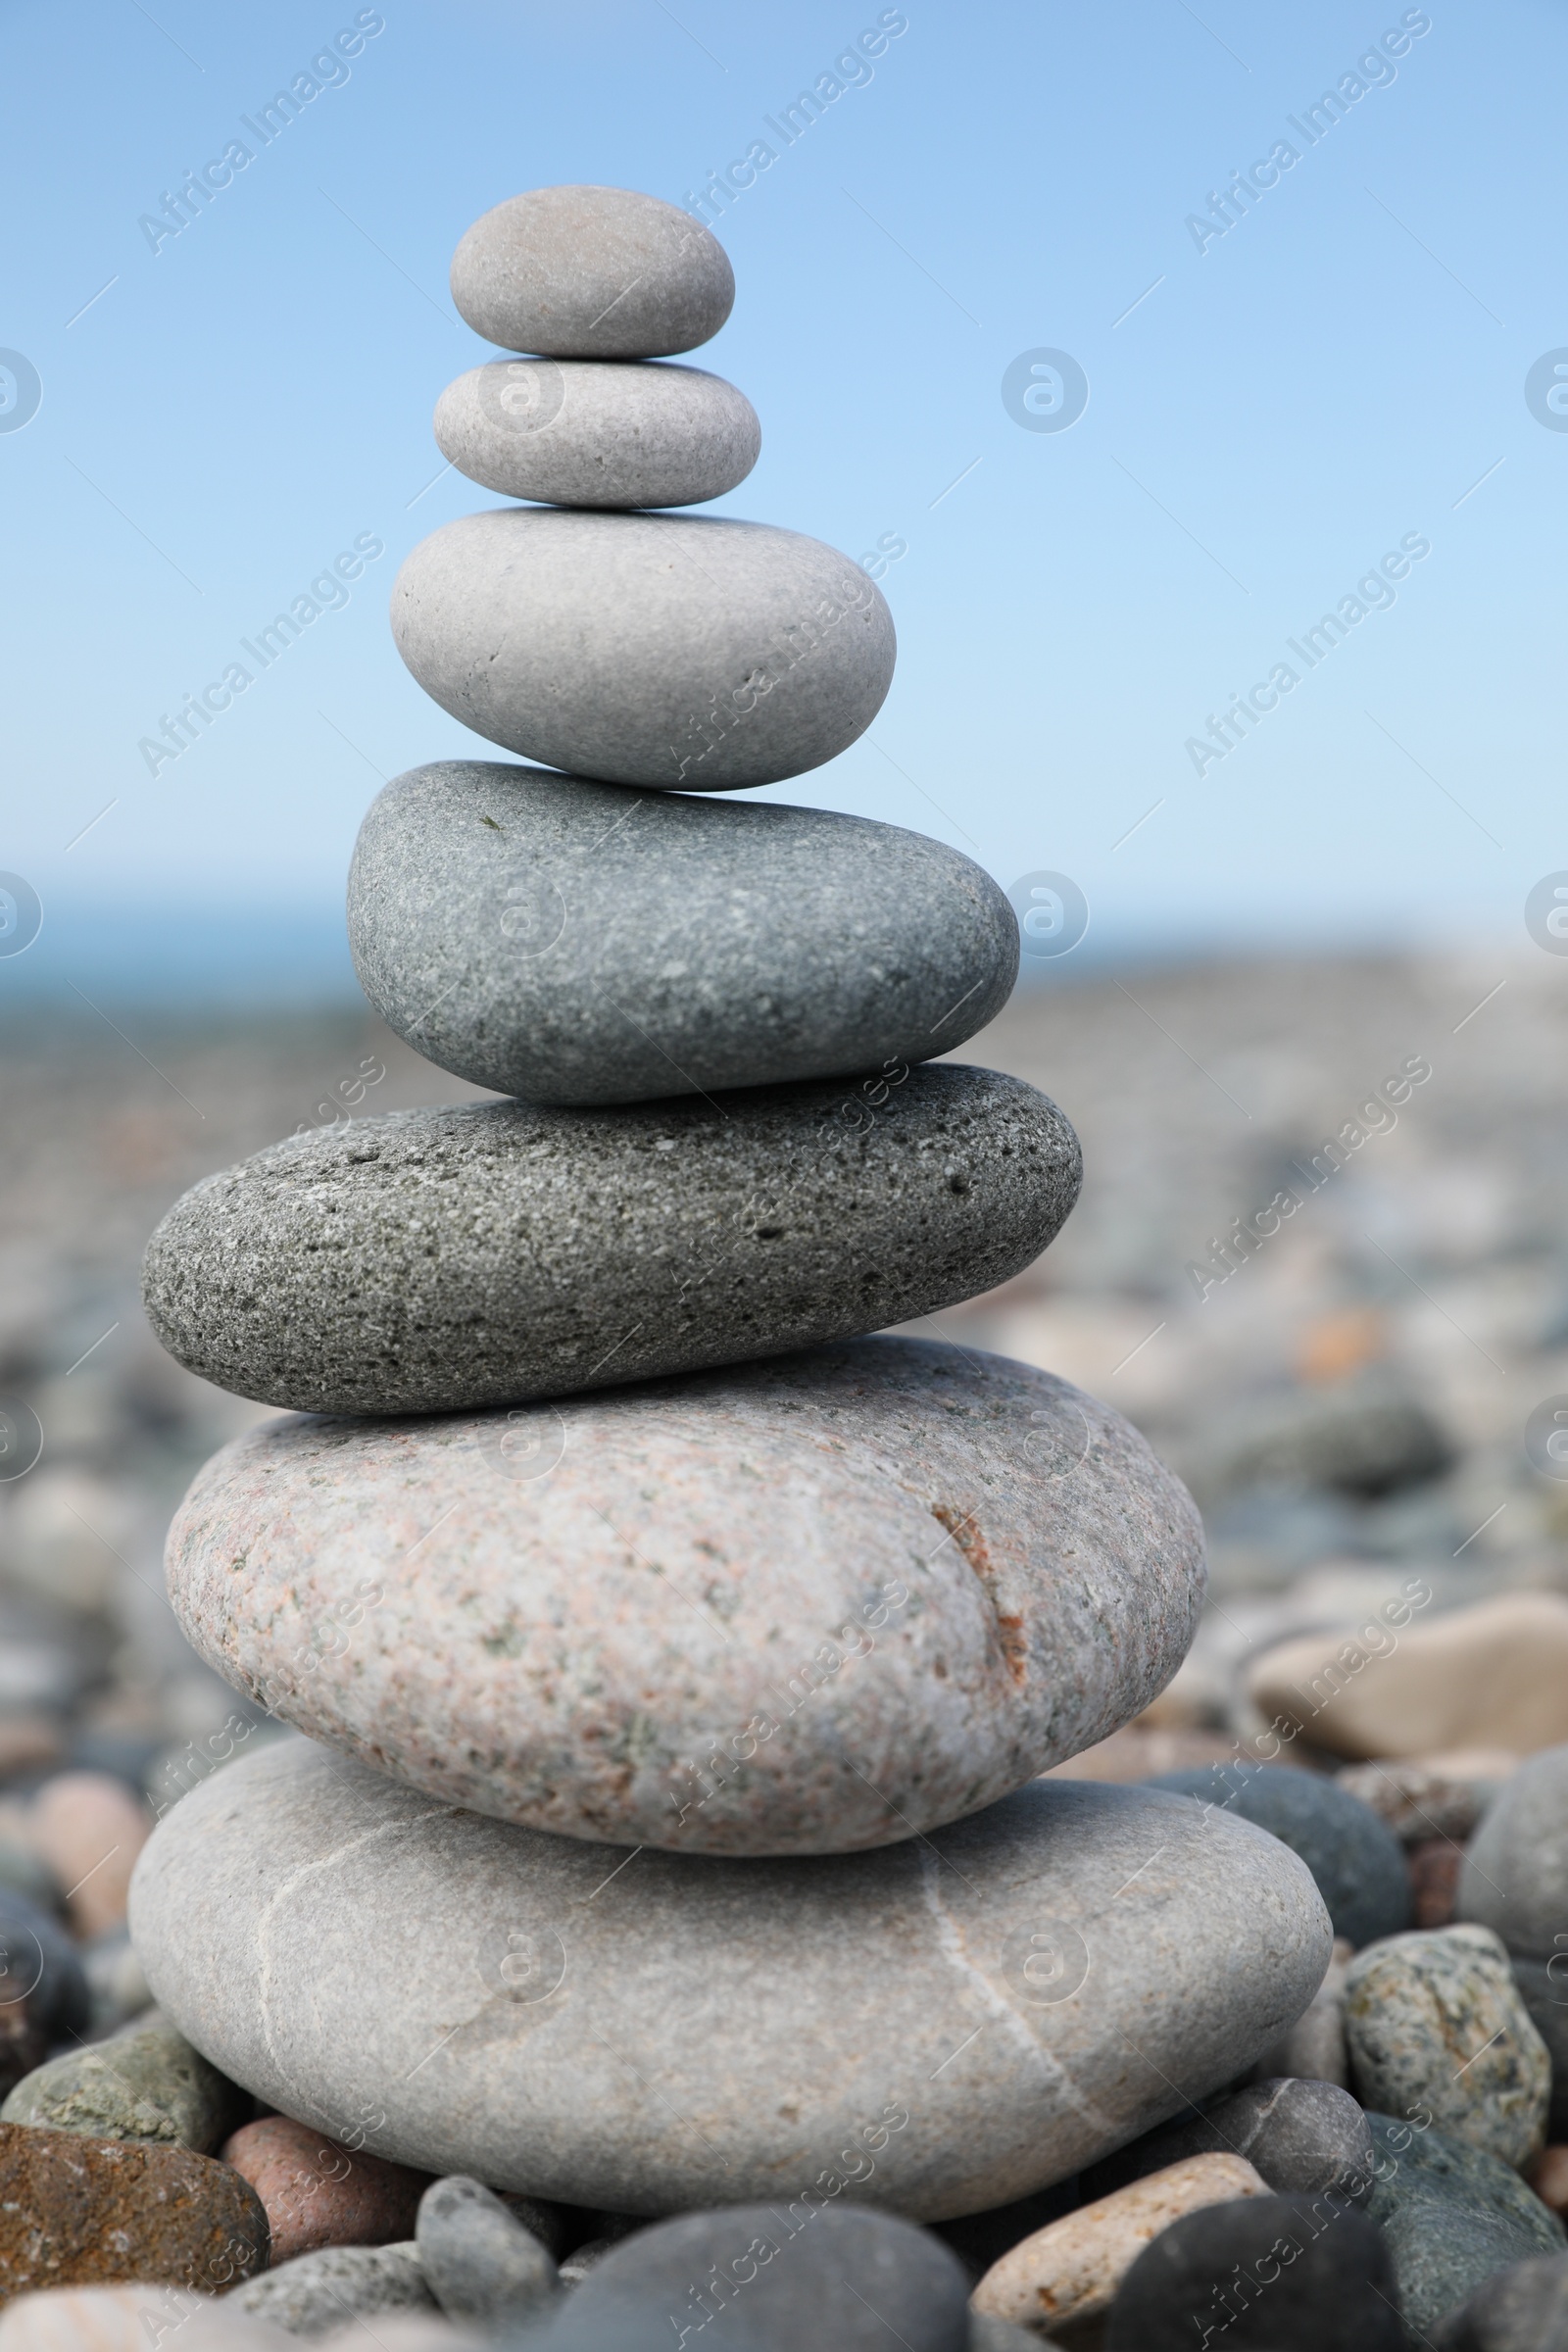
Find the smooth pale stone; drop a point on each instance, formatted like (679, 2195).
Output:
(1356, 1858)
(935, 2028)
(592, 274)
(598, 432)
(128, 2319)
(478, 2260)
(678, 652)
(1436, 2026)
(574, 942)
(1515, 1874)
(813, 1605)
(1069, 2272)
(432, 1259)
(1491, 1675)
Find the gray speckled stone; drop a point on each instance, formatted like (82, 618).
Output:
(1356, 1858)
(478, 2260)
(1305, 2139)
(433, 1259)
(598, 432)
(936, 2027)
(813, 1605)
(319, 2292)
(680, 652)
(1514, 1878)
(574, 942)
(1435, 2023)
(145, 2082)
(592, 274)
(1453, 2216)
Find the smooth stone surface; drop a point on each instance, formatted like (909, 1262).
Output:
(89, 1829)
(771, 2278)
(320, 2193)
(106, 2319)
(1270, 2275)
(1356, 1860)
(591, 273)
(574, 942)
(77, 2211)
(1522, 2309)
(1436, 2024)
(478, 2260)
(314, 2294)
(1313, 2049)
(1303, 2137)
(145, 2082)
(1515, 1874)
(1069, 2272)
(429, 1260)
(649, 2034)
(683, 652)
(812, 1606)
(1543, 1988)
(43, 1990)
(1452, 2217)
(598, 432)
(1491, 1675)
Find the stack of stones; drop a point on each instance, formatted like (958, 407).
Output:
(678, 1663)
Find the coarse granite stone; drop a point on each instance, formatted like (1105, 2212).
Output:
(813, 1605)
(592, 272)
(683, 652)
(316, 2293)
(79, 2211)
(1522, 2309)
(1305, 2139)
(598, 432)
(1261, 2274)
(1515, 1874)
(1452, 2215)
(144, 2082)
(478, 2260)
(429, 1260)
(645, 2033)
(1435, 2023)
(1356, 1858)
(574, 942)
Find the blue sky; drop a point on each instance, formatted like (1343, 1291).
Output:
(1270, 412)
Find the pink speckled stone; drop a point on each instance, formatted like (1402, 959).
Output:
(318, 2193)
(803, 1606)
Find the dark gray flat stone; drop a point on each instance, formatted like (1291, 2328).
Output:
(1288, 2273)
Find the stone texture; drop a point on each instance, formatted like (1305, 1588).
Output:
(314, 2295)
(89, 1829)
(649, 2032)
(1302, 2137)
(1313, 2049)
(574, 942)
(318, 2192)
(592, 274)
(598, 433)
(1356, 1861)
(1068, 2273)
(1491, 1675)
(1522, 2309)
(812, 1606)
(128, 2319)
(1452, 2216)
(144, 2084)
(1267, 2275)
(1515, 1874)
(771, 2278)
(434, 1259)
(77, 2211)
(478, 2260)
(1436, 2024)
(683, 652)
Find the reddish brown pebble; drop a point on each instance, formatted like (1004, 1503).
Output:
(318, 2193)
(77, 2211)
(89, 1828)
(1548, 2177)
(1433, 1867)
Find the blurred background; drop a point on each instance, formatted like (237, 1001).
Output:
(1111, 436)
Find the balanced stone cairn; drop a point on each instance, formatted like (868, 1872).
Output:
(678, 1662)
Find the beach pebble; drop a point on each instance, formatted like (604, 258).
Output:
(1435, 2026)
(682, 651)
(1053, 1976)
(598, 433)
(1069, 2272)
(478, 2260)
(1495, 1675)
(1515, 1873)
(1302, 2137)
(314, 2293)
(1355, 1859)
(320, 2193)
(130, 2319)
(948, 1563)
(486, 1254)
(582, 2259)
(89, 1828)
(1423, 1798)
(43, 1989)
(144, 2082)
(1266, 2275)
(581, 943)
(78, 2212)
(1452, 2216)
(1434, 1867)
(1522, 2309)
(1548, 2177)
(592, 274)
(1313, 2049)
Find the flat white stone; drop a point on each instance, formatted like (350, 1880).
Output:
(598, 432)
